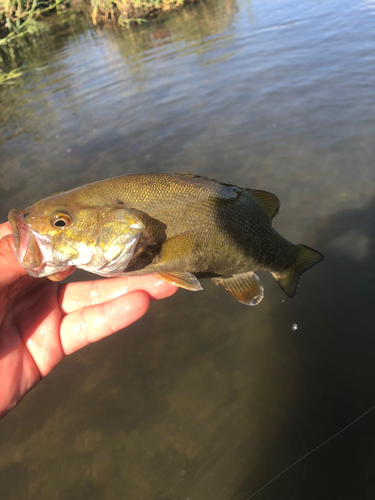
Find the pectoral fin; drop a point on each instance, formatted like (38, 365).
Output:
(246, 288)
(183, 280)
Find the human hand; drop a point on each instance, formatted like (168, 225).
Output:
(41, 321)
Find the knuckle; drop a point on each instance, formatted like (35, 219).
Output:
(82, 324)
(106, 317)
(95, 296)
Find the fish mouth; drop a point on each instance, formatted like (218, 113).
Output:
(32, 250)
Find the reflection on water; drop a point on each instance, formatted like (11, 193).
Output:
(205, 398)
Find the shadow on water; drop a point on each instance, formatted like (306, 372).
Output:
(335, 347)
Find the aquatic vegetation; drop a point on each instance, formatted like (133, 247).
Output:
(7, 77)
(123, 21)
(19, 17)
(21, 21)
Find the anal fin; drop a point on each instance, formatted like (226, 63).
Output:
(183, 280)
(246, 288)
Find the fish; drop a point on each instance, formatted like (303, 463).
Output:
(181, 227)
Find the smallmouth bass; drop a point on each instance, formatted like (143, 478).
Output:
(180, 227)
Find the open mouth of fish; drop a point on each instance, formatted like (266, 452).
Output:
(32, 250)
(36, 253)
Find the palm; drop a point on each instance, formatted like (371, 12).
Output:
(41, 321)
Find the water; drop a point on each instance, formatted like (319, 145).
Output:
(273, 95)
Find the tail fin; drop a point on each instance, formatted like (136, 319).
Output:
(288, 280)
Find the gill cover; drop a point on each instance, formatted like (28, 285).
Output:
(119, 232)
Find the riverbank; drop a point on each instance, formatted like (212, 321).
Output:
(20, 18)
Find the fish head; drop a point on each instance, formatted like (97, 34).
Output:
(57, 232)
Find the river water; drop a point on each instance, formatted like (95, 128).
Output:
(204, 398)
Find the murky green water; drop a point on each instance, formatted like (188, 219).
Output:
(204, 398)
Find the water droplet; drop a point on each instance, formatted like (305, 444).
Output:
(294, 326)
(182, 473)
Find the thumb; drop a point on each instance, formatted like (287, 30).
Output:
(10, 269)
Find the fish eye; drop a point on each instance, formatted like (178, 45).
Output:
(61, 220)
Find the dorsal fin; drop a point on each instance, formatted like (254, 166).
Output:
(196, 176)
(189, 174)
(269, 202)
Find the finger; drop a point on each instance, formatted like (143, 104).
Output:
(74, 296)
(91, 324)
(10, 268)
(5, 229)
(62, 274)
